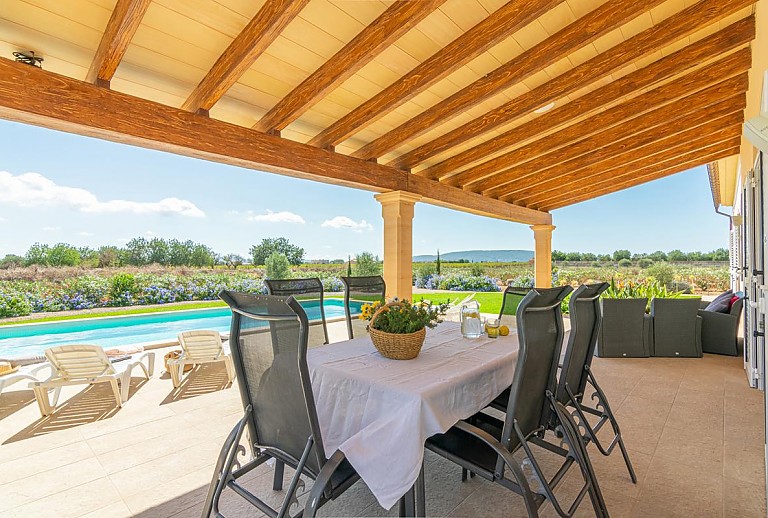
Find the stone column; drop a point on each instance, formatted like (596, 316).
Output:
(397, 211)
(542, 235)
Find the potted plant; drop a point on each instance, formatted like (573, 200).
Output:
(398, 329)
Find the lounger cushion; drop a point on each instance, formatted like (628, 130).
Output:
(722, 303)
(20, 361)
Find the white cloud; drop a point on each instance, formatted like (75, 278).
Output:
(149, 233)
(51, 229)
(2, 219)
(345, 222)
(86, 234)
(278, 217)
(33, 190)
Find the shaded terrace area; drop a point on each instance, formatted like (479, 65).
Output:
(504, 109)
(692, 426)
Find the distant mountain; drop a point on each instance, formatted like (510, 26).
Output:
(480, 256)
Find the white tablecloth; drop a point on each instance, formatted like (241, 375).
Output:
(379, 412)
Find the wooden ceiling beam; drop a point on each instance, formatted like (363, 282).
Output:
(35, 96)
(122, 25)
(672, 29)
(715, 101)
(733, 36)
(594, 176)
(243, 52)
(498, 26)
(583, 31)
(385, 30)
(645, 178)
(725, 114)
(615, 123)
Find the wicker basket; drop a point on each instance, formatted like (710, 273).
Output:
(396, 346)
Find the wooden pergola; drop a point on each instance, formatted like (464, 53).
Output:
(507, 109)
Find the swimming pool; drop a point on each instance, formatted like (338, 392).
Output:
(26, 339)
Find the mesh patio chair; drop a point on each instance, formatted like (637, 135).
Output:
(307, 291)
(511, 299)
(268, 340)
(361, 289)
(485, 445)
(575, 375)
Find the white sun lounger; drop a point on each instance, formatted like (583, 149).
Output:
(199, 347)
(87, 364)
(36, 372)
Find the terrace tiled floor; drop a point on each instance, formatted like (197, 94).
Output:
(693, 428)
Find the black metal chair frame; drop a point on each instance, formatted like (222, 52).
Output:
(286, 287)
(351, 283)
(229, 469)
(576, 373)
(542, 410)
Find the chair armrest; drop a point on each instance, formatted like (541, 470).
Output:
(703, 304)
(716, 318)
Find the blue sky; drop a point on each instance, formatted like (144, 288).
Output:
(57, 187)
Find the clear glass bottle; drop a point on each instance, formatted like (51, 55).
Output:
(471, 323)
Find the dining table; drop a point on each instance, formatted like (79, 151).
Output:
(379, 412)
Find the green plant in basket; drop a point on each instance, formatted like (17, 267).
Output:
(402, 317)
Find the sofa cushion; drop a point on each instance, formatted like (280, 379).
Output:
(733, 299)
(722, 303)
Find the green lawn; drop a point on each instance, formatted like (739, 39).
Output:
(119, 312)
(489, 303)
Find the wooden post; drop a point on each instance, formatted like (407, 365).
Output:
(397, 211)
(542, 235)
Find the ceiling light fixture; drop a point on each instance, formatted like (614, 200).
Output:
(544, 108)
(28, 58)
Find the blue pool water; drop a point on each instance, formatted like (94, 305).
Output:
(26, 339)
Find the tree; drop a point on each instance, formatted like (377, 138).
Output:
(437, 263)
(604, 258)
(618, 255)
(278, 266)
(557, 255)
(588, 256)
(11, 261)
(233, 261)
(721, 254)
(159, 251)
(349, 266)
(63, 254)
(573, 256)
(367, 264)
(37, 254)
(201, 256)
(108, 256)
(657, 256)
(268, 246)
(677, 255)
(136, 252)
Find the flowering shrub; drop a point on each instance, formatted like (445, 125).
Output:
(459, 282)
(22, 297)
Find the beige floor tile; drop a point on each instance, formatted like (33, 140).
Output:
(74, 502)
(677, 490)
(743, 500)
(135, 435)
(162, 469)
(743, 461)
(129, 456)
(30, 465)
(656, 388)
(691, 448)
(41, 485)
(612, 473)
(116, 510)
